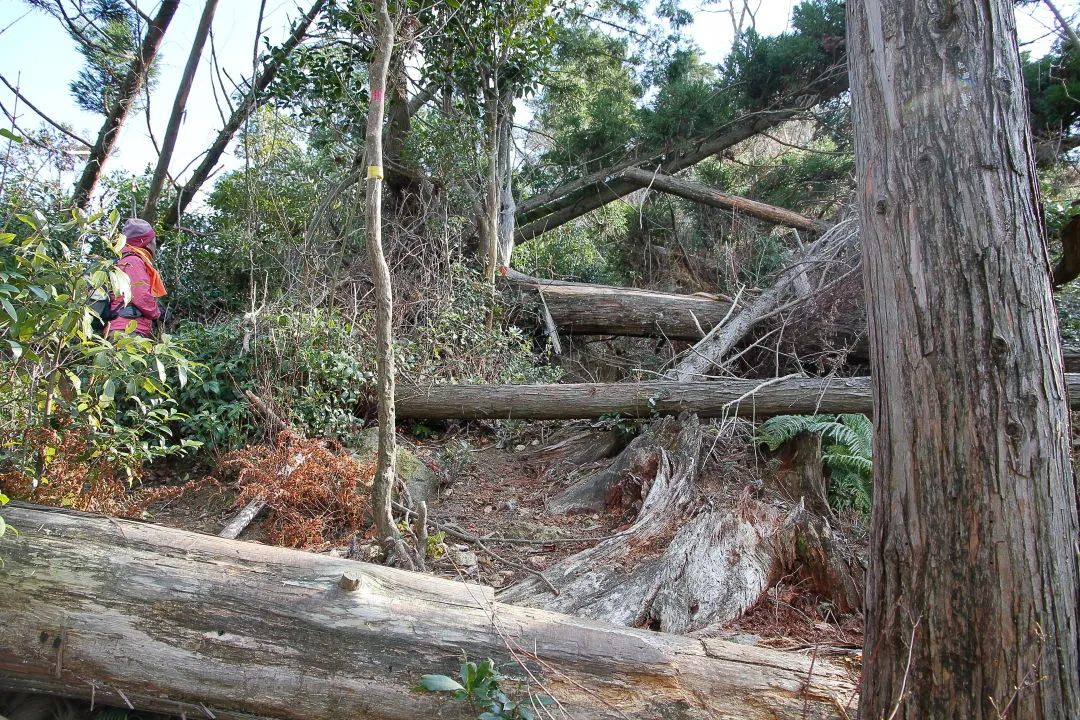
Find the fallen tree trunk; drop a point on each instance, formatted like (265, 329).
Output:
(173, 621)
(720, 398)
(584, 309)
(714, 198)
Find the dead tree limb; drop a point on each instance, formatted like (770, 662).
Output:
(714, 198)
(710, 351)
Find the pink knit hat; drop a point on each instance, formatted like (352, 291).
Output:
(138, 232)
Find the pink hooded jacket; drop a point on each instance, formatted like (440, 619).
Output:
(139, 234)
(141, 298)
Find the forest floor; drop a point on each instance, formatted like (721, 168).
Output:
(495, 481)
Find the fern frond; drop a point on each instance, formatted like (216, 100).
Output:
(841, 457)
(776, 431)
(863, 429)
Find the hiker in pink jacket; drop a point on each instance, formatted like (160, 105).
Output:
(137, 262)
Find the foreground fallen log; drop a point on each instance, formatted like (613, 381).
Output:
(584, 309)
(720, 398)
(167, 620)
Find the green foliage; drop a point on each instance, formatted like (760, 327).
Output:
(583, 251)
(481, 685)
(689, 102)
(106, 35)
(589, 103)
(317, 367)
(59, 381)
(489, 47)
(767, 69)
(1053, 85)
(436, 545)
(4, 527)
(847, 442)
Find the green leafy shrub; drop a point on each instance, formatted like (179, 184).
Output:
(482, 687)
(847, 442)
(316, 368)
(76, 404)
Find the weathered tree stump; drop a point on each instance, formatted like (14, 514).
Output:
(683, 565)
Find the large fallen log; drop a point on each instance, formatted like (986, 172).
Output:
(167, 620)
(714, 198)
(720, 398)
(584, 309)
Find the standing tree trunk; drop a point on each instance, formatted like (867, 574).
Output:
(168, 144)
(384, 304)
(490, 245)
(507, 203)
(972, 588)
(126, 95)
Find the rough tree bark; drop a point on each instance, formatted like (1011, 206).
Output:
(255, 97)
(383, 485)
(718, 398)
(187, 623)
(714, 198)
(168, 143)
(129, 90)
(972, 600)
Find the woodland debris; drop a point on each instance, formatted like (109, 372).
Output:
(585, 309)
(714, 198)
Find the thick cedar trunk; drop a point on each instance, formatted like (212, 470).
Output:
(250, 102)
(583, 309)
(129, 90)
(714, 198)
(383, 484)
(972, 598)
(719, 398)
(168, 143)
(183, 622)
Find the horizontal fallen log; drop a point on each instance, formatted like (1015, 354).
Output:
(178, 622)
(714, 198)
(719, 398)
(584, 309)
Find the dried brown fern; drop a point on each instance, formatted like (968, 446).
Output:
(317, 494)
(73, 478)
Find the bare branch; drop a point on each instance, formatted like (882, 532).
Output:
(42, 115)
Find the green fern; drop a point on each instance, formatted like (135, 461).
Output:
(847, 442)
